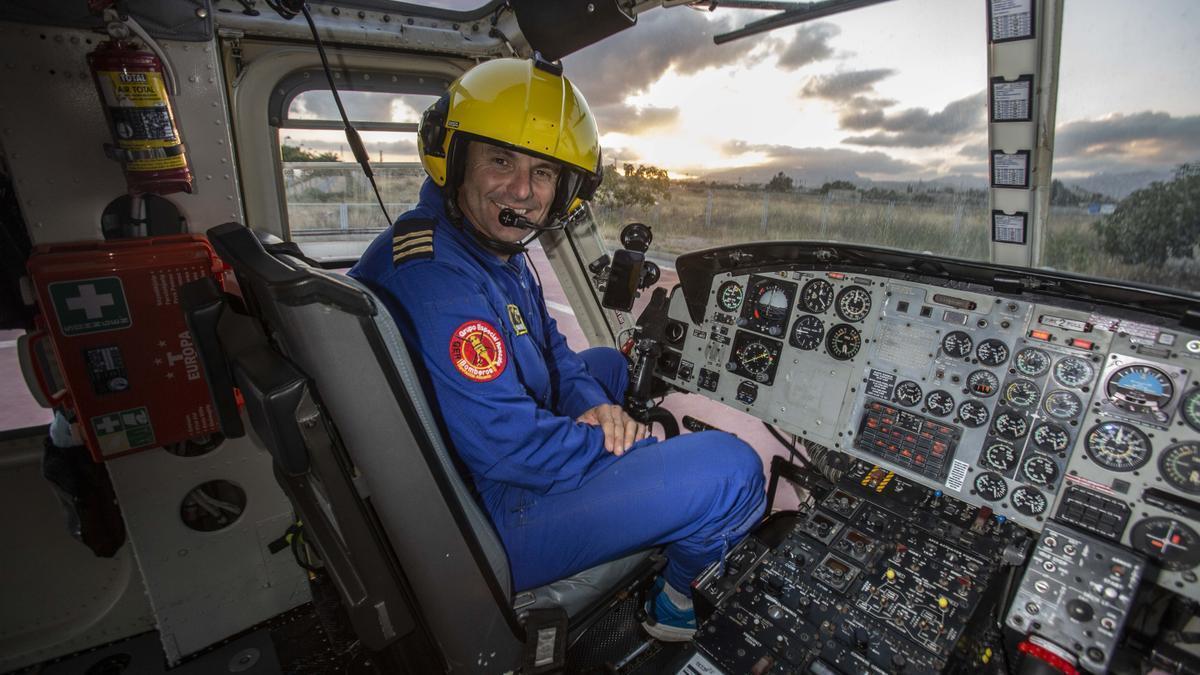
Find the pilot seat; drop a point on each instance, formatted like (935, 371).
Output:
(331, 392)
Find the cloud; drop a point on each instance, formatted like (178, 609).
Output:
(628, 62)
(360, 105)
(916, 127)
(626, 119)
(817, 164)
(847, 85)
(809, 45)
(1127, 142)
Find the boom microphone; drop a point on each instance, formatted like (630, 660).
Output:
(510, 218)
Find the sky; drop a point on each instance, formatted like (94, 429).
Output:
(893, 92)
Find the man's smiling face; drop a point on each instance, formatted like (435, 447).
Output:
(498, 178)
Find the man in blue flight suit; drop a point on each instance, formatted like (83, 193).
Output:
(568, 478)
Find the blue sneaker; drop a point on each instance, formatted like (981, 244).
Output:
(669, 622)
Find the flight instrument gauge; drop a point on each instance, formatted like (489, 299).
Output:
(1190, 408)
(992, 352)
(908, 393)
(1140, 389)
(816, 296)
(991, 486)
(1010, 425)
(729, 296)
(1032, 361)
(807, 332)
(1062, 405)
(854, 303)
(1073, 372)
(1180, 467)
(754, 358)
(1050, 437)
(939, 403)
(1117, 446)
(1000, 456)
(1039, 470)
(983, 383)
(973, 413)
(767, 305)
(957, 344)
(1173, 544)
(843, 342)
(1028, 501)
(1021, 393)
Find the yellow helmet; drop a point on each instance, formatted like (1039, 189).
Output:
(525, 105)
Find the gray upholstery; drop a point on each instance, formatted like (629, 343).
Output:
(574, 593)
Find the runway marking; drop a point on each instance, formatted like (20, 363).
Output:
(559, 307)
(7, 344)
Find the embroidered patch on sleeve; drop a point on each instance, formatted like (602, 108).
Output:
(477, 351)
(518, 321)
(412, 240)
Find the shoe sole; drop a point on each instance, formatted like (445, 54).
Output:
(664, 633)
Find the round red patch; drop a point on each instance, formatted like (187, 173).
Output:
(477, 351)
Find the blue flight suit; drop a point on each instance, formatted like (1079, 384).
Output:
(509, 390)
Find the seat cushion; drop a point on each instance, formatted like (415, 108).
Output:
(579, 591)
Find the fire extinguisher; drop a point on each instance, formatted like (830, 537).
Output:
(141, 118)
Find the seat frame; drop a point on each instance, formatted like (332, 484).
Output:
(331, 391)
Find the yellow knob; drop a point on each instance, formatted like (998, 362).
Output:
(890, 574)
(943, 602)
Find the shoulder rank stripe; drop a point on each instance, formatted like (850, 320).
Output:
(412, 240)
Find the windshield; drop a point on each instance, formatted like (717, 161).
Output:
(871, 127)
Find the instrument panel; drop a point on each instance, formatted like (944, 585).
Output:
(1032, 407)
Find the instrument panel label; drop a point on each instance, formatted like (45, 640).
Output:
(879, 384)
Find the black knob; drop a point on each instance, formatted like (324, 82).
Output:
(1080, 610)
(861, 637)
(899, 662)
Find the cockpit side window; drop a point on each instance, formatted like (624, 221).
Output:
(331, 209)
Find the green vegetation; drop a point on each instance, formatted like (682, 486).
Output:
(1161, 221)
(293, 154)
(634, 185)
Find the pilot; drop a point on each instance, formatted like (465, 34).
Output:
(568, 478)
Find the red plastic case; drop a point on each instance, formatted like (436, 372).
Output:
(131, 372)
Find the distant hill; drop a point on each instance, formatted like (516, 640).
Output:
(1119, 185)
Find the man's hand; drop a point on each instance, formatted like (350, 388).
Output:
(620, 430)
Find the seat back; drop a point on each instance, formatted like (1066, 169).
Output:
(332, 393)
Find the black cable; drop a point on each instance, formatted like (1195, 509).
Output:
(352, 137)
(791, 447)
